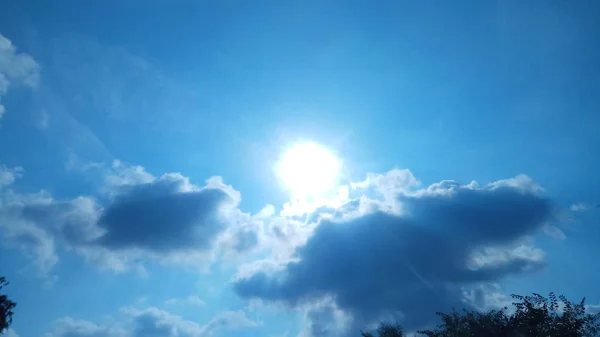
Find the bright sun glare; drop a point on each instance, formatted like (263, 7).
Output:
(308, 170)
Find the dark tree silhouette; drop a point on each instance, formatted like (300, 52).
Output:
(532, 316)
(386, 330)
(6, 308)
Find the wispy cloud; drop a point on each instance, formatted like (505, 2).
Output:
(190, 300)
(15, 69)
(8, 175)
(580, 207)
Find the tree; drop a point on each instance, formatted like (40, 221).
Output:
(532, 316)
(386, 330)
(6, 308)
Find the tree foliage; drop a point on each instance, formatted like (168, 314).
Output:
(532, 316)
(386, 330)
(6, 308)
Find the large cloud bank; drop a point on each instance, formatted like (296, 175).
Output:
(415, 261)
(391, 250)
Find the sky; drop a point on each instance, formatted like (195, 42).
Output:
(293, 168)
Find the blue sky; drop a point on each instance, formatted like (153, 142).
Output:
(140, 141)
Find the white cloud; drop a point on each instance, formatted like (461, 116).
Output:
(521, 182)
(390, 184)
(126, 175)
(527, 256)
(15, 69)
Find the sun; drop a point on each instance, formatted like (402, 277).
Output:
(308, 170)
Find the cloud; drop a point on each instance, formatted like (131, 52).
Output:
(70, 327)
(9, 175)
(11, 333)
(155, 322)
(592, 308)
(15, 69)
(164, 215)
(151, 321)
(19, 233)
(580, 207)
(412, 264)
(389, 184)
(324, 319)
(228, 320)
(126, 175)
(190, 300)
(486, 297)
(34, 243)
(555, 232)
(138, 217)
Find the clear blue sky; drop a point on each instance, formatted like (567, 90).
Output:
(140, 140)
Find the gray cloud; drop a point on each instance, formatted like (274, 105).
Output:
(245, 240)
(162, 216)
(414, 263)
(140, 217)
